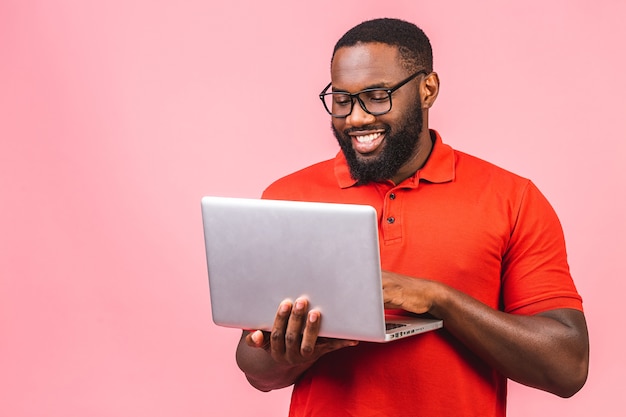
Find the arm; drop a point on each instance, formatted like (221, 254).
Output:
(275, 360)
(549, 351)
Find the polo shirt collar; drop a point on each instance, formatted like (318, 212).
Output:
(439, 167)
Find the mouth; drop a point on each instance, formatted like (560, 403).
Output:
(367, 142)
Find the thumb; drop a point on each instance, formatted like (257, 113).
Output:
(256, 339)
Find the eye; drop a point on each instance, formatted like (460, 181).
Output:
(377, 96)
(342, 100)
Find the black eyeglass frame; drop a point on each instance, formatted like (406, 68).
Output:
(356, 95)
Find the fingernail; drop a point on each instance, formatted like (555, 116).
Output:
(299, 304)
(257, 337)
(312, 316)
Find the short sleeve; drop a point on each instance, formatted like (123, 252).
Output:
(535, 274)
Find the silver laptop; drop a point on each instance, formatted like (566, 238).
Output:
(260, 252)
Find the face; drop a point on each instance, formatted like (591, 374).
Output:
(382, 147)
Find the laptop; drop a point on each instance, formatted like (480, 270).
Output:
(260, 252)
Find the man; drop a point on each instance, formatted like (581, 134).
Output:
(461, 240)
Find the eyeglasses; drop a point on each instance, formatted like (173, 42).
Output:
(375, 101)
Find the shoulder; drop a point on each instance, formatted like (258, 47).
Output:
(475, 175)
(489, 188)
(469, 164)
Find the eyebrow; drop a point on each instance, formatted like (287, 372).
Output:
(381, 85)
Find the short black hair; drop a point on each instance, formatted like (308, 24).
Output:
(412, 43)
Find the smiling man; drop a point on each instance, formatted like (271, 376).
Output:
(460, 239)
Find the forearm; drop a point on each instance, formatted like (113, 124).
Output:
(547, 351)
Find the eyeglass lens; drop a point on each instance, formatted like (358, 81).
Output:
(375, 101)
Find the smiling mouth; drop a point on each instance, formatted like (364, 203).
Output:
(366, 143)
(367, 138)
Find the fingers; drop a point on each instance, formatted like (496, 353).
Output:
(296, 326)
(289, 326)
(309, 336)
(277, 336)
(411, 294)
(294, 335)
(328, 345)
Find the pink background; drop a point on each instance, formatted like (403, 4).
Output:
(116, 117)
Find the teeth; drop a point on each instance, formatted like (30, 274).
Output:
(367, 138)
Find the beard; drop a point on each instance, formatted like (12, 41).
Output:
(399, 147)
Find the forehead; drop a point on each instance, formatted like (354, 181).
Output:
(366, 65)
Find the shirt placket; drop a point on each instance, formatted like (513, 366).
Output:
(392, 218)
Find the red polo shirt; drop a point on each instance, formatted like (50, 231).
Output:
(458, 220)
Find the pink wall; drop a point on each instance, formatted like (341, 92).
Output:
(116, 117)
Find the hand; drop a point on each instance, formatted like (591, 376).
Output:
(294, 337)
(410, 294)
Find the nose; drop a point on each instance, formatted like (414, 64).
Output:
(359, 117)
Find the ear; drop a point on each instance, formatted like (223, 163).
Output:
(429, 89)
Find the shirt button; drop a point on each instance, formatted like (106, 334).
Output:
(392, 196)
(390, 220)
